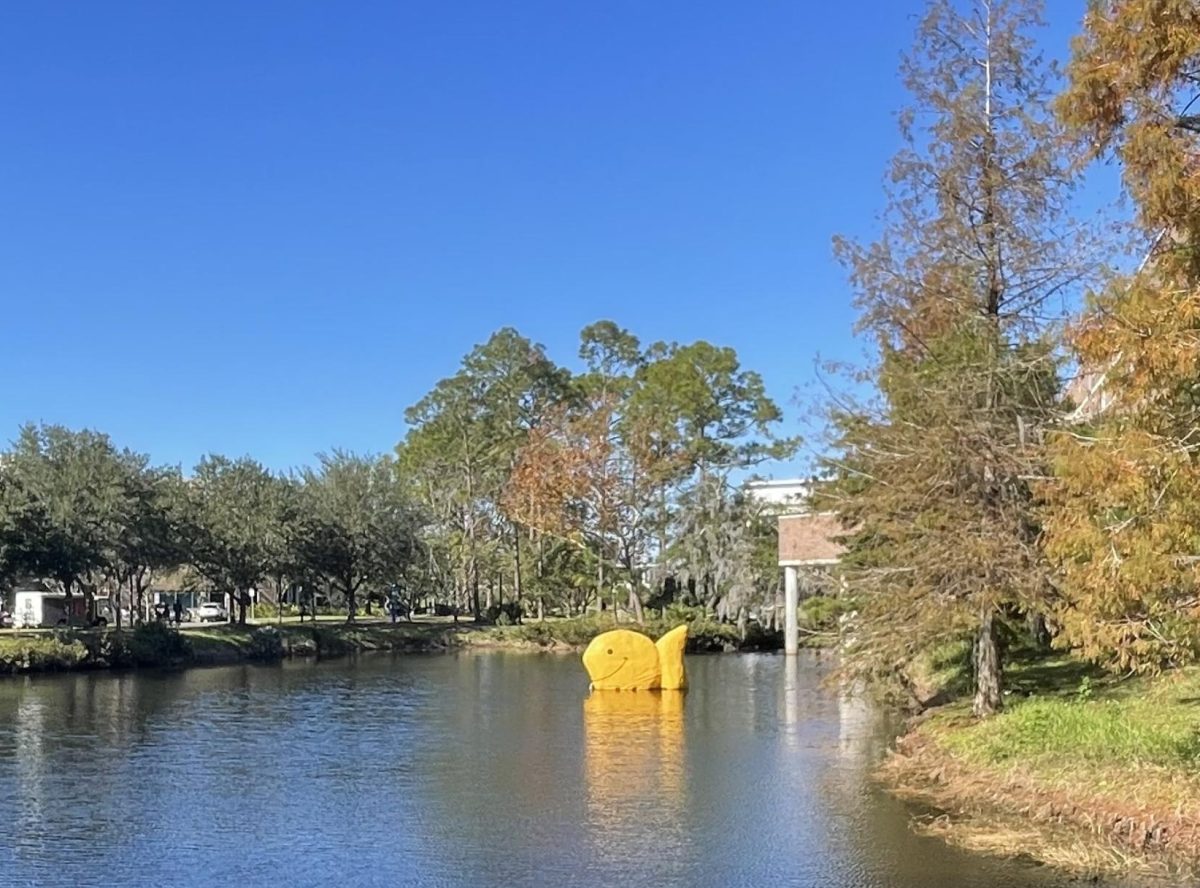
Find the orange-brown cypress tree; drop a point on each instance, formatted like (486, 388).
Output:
(1123, 516)
(974, 263)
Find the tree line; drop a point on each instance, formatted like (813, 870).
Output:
(1027, 463)
(520, 487)
(82, 514)
(615, 487)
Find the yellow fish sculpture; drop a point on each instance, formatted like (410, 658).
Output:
(623, 660)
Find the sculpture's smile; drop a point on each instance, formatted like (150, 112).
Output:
(624, 660)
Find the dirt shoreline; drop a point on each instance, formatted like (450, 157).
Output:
(1010, 812)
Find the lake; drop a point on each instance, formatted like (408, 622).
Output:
(470, 769)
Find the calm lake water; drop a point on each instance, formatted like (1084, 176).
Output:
(473, 770)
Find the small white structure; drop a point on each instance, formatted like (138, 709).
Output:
(786, 495)
(37, 607)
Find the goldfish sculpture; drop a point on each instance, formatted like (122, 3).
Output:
(623, 660)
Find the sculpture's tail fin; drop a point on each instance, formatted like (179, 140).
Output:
(670, 658)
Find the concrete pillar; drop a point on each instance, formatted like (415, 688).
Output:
(791, 601)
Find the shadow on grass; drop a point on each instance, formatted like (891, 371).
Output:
(1031, 672)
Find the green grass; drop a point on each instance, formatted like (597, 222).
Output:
(1074, 719)
(1042, 732)
(1114, 761)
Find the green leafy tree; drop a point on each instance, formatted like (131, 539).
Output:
(706, 417)
(65, 503)
(445, 457)
(463, 444)
(359, 527)
(230, 519)
(149, 539)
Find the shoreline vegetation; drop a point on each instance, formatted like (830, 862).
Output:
(156, 645)
(1088, 772)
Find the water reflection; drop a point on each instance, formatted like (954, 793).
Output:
(635, 771)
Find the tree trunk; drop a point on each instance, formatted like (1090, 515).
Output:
(1036, 622)
(351, 603)
(988, 699)
(517, 570)
(635, 605)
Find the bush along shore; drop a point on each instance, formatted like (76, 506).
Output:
(1082, 770)
(158, 645)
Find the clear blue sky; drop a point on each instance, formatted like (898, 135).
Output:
(269, 227)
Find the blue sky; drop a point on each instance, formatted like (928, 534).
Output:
(269, 227)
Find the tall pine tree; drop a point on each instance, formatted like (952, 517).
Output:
(975, 261)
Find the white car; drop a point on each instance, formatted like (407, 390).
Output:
(208, 610)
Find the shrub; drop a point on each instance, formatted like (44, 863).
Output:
(266, 645)
(40, 653)
(506, 614)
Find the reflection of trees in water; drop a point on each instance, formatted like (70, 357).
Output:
(635, 772)
(82, 749)
(29, 818)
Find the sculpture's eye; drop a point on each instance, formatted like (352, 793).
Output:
(610, 652)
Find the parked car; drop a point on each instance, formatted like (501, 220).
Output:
(206, 611)
(6, 619)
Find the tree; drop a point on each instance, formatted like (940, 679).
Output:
(976, 258)
(566, 482)
(1123, 511)
(64, 503)
(518, 386)
(697, 416)
(285, 560)
(359, 528)
(231, 516)
(445, 457)
(462, 446)
(728, 537)
(149, 538)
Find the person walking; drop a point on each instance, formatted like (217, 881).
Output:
(178, 611)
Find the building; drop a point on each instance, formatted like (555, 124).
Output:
(787, 495)
(807, 539)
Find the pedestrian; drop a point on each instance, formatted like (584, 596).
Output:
(178, 612)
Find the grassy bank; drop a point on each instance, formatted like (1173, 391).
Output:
(150, 646)
(1081, 770)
